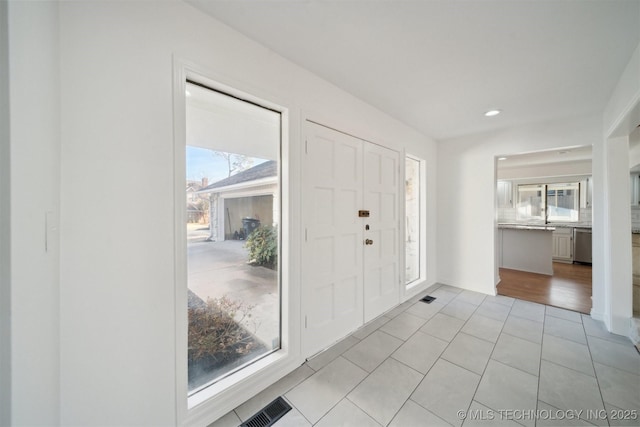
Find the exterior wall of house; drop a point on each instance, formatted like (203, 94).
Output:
(118, 340)
(34, 178)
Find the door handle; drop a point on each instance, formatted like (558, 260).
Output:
(368, 242)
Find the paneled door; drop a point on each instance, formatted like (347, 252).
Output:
(351, 262)
(381, 257)
(332, 293)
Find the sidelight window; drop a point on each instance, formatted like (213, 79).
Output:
(413, 222)
(233, 218)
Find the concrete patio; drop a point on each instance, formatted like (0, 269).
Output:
(217, 269)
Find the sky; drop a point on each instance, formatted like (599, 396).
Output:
(202, 163)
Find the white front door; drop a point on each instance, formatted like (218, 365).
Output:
(381, 257)
(332, 291)
(345, 281)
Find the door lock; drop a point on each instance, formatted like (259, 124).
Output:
(368, 242)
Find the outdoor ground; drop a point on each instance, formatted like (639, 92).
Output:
(216, 269)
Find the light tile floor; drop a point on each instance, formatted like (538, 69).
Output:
(497, 360)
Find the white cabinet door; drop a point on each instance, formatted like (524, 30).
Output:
(563, 245)
(381, 257)
(634, 186)
(505, 194)
(586, 192)
(332, 291)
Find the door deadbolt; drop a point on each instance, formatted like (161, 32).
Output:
(368, 242)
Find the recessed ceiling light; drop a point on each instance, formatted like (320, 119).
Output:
(502, 158)
(492, 113)
(186, 92)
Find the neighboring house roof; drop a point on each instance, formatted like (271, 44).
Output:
(267, 169)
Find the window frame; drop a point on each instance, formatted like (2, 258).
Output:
(422, 234)
(574, 186)
(544, 207)
(215, 401)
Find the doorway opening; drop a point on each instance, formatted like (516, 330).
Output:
(543, 236)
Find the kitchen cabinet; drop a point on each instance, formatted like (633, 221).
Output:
(562, 239)
(527, 249)
(586, 192)
(634, 186)
(635, 239)
(499, 248)
(505, 194)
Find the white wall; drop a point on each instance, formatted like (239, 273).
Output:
(35, 159)
(634, 148)
(117, 275)
(622, 112)
(466, 193)
(611, 217)
(5, 226)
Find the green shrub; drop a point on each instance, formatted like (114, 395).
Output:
(263, 246)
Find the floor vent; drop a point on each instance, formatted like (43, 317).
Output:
(428, 299)
(269, 414)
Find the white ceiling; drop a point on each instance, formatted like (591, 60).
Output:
(437, 65)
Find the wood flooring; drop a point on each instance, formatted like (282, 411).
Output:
(569, 287)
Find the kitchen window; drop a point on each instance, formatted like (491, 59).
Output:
(563, 202)
(531, 203)
(557, 202)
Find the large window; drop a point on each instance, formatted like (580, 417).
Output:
(558, 202)
(412, 220)
(233, 214)
(531, 203)
(562, 202)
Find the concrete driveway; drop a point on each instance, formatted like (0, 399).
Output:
(217, 269)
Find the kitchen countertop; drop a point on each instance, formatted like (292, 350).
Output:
(534, 226)
(525, 227)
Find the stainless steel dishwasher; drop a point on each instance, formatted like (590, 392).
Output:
(582, 245)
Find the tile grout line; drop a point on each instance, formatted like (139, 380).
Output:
(346, 396)
(540, 362)
(440, 357)
(368, 373)
(347, 393)
(473, 398)
(523, 339)
(595, 373)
